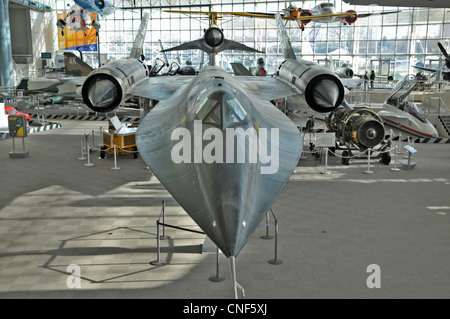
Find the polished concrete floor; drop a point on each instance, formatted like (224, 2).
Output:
(60, 218)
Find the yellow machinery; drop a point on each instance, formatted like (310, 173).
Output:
(125, 142)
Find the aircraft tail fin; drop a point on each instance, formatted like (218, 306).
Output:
(75, 66)
(240, 69)
(286, 45)
(138, 44)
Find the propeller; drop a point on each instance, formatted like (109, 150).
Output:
(445, 53)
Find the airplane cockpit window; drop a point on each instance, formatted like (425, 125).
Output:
(209, 110)
(233, 112)
(326, 5)
(414, 111)
(220, 108)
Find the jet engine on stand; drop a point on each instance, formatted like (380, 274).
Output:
(360, 128)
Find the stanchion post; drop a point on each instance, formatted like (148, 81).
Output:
(276, 261)
(82, 158)
(395, 168)
(399, 151)
(157, 262)
(326, 171)
(164, 220)
(88, 155)
(115, 158)
(217, 277)
(368, 171)
(267, 235)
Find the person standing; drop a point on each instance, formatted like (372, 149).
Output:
(366, 81)
(372, 78)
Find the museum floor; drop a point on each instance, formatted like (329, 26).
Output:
(56, 212)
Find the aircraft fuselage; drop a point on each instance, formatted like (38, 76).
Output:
(223, 154)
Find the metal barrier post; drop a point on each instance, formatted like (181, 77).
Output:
(399, 151)
(326, 171)
(164, 220)
(368, 171)
(276, 261)
(82, 158)
(88, 153)
(217, 278)
(267, 236)
(395, 168)
(158, 262)
(115, 158)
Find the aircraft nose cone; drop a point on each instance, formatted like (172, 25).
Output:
(230, 204)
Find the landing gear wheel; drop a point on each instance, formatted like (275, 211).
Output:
(345, 159)
(102, 151)
(385, 158)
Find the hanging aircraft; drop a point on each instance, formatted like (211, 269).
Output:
(229, 182)
(322, 13)
(77, 19)
(403, 3)
(100, 7)
(444, 69)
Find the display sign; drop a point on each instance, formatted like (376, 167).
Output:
(325, 139)
(17, 125)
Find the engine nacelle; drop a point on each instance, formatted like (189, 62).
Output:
(351, 18)
(306, 14)
(362, 127)
(106, 87)
(344, 73)
(322, 89)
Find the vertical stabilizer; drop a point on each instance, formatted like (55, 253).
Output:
(75, 66)
(138, 44)
(286, 45)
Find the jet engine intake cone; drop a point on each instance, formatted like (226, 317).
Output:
(214, 37)
(370, 133)
(102, 93)
(324, 93)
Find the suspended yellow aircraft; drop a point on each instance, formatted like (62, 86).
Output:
(324, 12)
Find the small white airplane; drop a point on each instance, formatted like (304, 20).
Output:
(324, 13)
(101, 7)
(404, 115)
(444, 69)
(402, 3)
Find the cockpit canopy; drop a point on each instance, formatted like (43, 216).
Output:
(220, 108)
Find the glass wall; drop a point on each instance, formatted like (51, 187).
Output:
(390, 44)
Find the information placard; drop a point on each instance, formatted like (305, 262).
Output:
(326, 139)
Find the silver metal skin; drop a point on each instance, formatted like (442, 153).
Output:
(106, 87)
(227, 200)
(344, 72)
(322, 90)
(229, 175)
